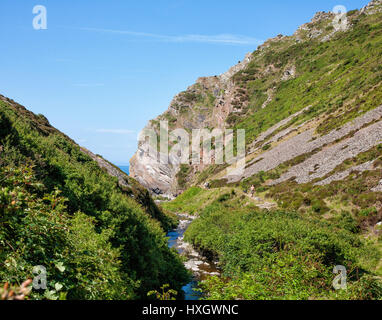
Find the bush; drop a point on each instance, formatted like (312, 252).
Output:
(266, 147)
(59, 209)
(367, 212)
(182, 175)
(278, 255)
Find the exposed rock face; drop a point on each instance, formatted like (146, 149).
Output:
(273, 129)
(343, 174)
(378, 188)
(289, 73)
(328, 158)
(373, 7)
(155, 176)
(206, 104)
(226, 77)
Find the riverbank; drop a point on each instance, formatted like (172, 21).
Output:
(200, 267)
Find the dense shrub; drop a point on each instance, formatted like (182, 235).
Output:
(280, 255)
(60, 210)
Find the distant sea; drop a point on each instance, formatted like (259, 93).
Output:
(124, 169)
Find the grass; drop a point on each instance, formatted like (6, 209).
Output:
(192, 201)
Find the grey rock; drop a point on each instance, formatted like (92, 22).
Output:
(343, 174)
(327, 159)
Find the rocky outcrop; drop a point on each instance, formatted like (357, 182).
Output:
(157, 177)
(206, 104)
(373, 7)
(343, 174)
(289, 73)
(268, 133)
(226, 77)
(378, 188)
(326, 160)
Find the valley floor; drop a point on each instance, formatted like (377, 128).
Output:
(274, 253)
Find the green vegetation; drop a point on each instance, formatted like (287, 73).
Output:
(182, 175)
(338, 77)
(59, 209)
(169, 294)
(277, 254)
(211, 170)
(190, 201)
(353, 192)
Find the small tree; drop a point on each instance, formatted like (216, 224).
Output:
(165, 295)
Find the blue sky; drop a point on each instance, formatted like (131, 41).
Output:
(103, 68)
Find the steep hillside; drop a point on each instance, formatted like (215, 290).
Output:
(291, 96)
(97, 232)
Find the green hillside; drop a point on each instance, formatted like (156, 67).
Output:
(340, 79)
(60, 210)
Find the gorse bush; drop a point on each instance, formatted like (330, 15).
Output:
(38, 231)
(58, 208)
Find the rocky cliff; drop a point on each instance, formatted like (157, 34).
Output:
(308, 102)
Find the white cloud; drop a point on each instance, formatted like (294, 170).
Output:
(227, 39)
(115, 131)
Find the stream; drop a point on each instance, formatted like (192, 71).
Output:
(200, 267)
